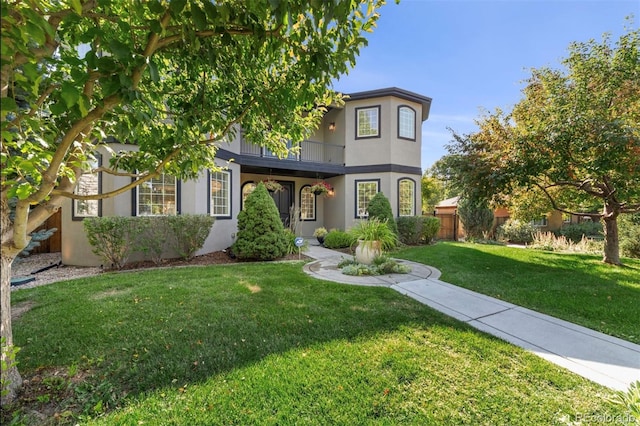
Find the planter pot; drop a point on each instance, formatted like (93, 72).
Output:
(318, 192)
(320, 239)
(367, 251)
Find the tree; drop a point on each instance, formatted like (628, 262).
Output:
(574, 136)
(172, 77)
(476, 216)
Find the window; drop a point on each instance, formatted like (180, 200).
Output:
(88, 184)
(307, 204)
(157, 197)
(406, 197)
(365, 190)
(406, 123)
(247, 189)
(539, 222)
(368, 122)
(220, 186)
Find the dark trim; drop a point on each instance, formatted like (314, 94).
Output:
(209, 206)
(425, 101)
(134, 198)
(414, 123)
(355, 198)
(382, 168)
(379, 135)
(414, 195)
(73, 204)
(315, 204)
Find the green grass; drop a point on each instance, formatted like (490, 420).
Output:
(577, 288)
(267, 344)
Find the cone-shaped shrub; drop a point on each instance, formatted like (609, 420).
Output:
(379, 207)
(260, 231)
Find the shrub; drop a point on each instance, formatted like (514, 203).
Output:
(550, 241)
(112, 238)
(188, 233)
(381, 265)
(154, 233)
(630, 235)
(292, 248)
(337, 239)
(260, 233)
(380, 208)
(515, 231)
(414, 230)
(476, 216)
(374, 229)
(576, 231)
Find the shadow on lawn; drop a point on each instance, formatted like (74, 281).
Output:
(139, 332)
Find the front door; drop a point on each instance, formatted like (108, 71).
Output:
(284, 199)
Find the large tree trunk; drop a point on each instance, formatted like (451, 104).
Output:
(11, 377)
(611, 239)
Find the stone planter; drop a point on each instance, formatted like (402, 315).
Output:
(366, 251)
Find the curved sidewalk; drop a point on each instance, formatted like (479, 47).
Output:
(601, 358)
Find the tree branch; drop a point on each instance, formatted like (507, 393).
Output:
(560, 209)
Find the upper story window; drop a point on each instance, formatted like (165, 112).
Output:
(365, 190)
(307, 204)
(406, 123)
(406, 197)
(88, 184)
(368, 122)
(157, 197)
(220, 193)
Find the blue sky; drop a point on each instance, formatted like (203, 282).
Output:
(472, 55)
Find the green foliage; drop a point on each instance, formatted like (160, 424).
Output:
(380, 208)
(374, 229)
(415, 230)
(260, 231)
(629, 399)
(551, 242)
(476, 216)
(576, 231)
(516, 231)
(629, 227)
(112, 238)
(381, 265)
(154, 233)
(292, 248)
(337, 239)
(8, 359)
(188, 233)
(320, 232)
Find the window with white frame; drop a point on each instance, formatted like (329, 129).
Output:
(307, 204)
(368, 122)
(88, 184)
(247, 189)
(157, 197)
(406, 123)
(365, 190)
(540, 222)
(220, 193)
(406, 197)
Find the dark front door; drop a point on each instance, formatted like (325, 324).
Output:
(284, 200)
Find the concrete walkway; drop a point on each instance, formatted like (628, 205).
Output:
(606, 360)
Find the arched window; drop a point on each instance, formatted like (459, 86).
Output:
(406, 123)
(307, 203)
(406, 197)
(247, 188)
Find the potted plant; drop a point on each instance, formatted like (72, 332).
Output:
(374, 236)
(272, 185)
(320, 233)
(321, 188)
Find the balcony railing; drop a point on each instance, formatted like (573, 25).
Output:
(310, 152)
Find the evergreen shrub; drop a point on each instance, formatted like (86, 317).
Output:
(380, 208)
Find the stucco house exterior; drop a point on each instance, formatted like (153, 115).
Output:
(372, 144)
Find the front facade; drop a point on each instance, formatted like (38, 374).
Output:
(372, 144)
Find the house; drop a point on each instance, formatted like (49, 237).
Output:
(371, 144)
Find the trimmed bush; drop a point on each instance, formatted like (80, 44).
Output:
(337, 239)
(413, 230)
(154, 233)
(576, 231)
(515, 231)
(380, 208)
(260, 231)
(113, 238)
(188, 233)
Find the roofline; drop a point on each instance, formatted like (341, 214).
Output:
(396, 92)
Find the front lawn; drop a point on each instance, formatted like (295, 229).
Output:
(577, 288)
(267, 344)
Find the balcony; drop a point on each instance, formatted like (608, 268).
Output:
(309, 152)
